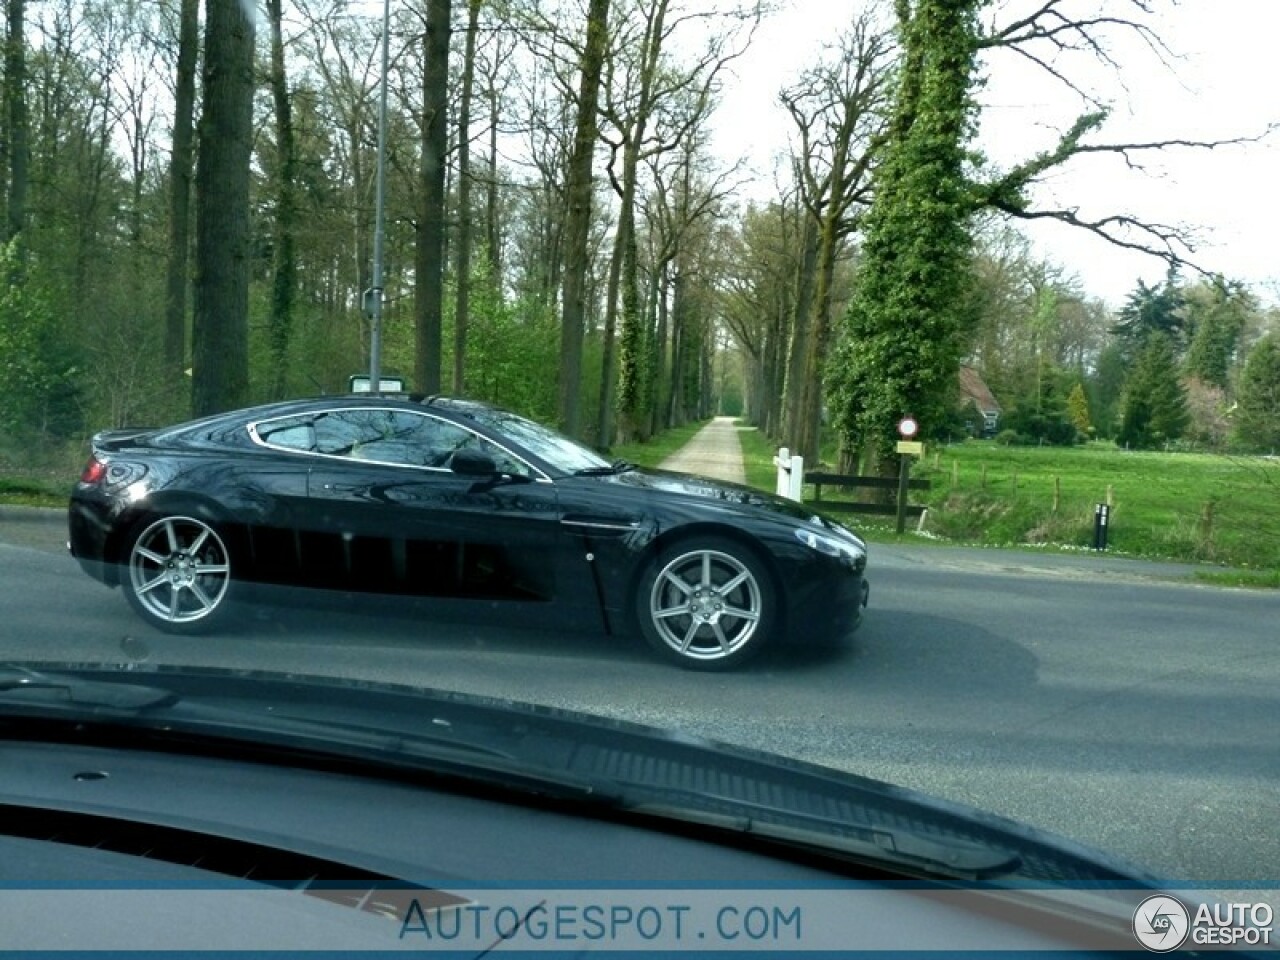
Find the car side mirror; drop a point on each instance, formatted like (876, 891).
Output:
(473, 463)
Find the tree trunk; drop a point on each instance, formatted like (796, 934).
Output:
(429, 273)
(820, 339)
(658, 308)
(679, 348)
(706, 382)
(801, 328)
(768, 366)
(493, 232)
(578, 223)
(220, 340)
(462, 309)
(631, 360)
(284, 280)
(604, 425)
(15, 96)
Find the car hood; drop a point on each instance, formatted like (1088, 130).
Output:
(664, 482)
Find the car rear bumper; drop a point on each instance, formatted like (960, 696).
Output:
(89, 529)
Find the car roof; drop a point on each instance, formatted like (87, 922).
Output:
(284, 408)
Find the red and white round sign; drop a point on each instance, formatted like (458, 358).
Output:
(908, 428)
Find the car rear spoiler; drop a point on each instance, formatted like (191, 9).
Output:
(115, 439)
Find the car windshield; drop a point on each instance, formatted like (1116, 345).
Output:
(553, 448)
(891, 388)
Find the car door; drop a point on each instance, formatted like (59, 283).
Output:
(390, 516)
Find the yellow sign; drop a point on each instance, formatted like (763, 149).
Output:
(913, 448)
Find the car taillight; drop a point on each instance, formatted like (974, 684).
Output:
(93, 471)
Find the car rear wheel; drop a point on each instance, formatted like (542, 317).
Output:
(707, 604)
(178, 575)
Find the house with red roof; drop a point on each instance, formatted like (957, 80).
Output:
(975, 393)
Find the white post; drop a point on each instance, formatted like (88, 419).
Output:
(783, 462)
(796, 490)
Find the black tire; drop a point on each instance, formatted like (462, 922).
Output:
(707, 603)
(177, 573)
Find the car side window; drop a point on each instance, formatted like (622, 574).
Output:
(504, 461)
(292, 433)
(404, 438)
(355, 433)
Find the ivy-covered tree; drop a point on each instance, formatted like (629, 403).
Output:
(907, 325)
(1154, 406)
(1258, 409)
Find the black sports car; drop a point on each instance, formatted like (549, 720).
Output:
(459, 503)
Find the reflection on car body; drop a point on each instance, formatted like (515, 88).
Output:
(455, 500)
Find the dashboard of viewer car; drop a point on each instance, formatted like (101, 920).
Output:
(302, 857)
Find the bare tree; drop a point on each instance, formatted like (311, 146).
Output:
(839, 111)
(679, 204)
(1054, 36)
(653, 104)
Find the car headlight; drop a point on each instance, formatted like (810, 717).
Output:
(852, 552)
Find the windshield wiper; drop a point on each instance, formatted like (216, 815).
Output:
(618, 466)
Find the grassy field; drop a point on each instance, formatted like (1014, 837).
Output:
(24, 492)
(1182, 505)
(1169, 505)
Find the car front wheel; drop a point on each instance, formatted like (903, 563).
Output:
(178, 575)
(707, 604)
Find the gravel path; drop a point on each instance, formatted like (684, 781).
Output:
(713, 452)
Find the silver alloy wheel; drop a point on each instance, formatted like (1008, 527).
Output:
(179, 570)
(706, 604)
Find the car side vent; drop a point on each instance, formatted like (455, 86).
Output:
(256, 863)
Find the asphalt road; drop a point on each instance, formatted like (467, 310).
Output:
(1134, 714)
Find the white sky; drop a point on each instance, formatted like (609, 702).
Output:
(1224, 84)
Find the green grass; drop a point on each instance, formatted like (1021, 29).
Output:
(1261, 579)
(757, 457)
(1185, 506)
(27, 492)
(657, 448)
(1181, 506)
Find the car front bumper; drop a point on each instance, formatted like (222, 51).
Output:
(827, 607)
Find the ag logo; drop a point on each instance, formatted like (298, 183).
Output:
(1160, 923)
